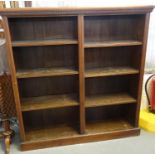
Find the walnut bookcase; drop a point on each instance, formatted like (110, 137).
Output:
(76, 72)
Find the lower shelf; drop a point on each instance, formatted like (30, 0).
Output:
(109, 99)
(51, 132)
(66, 134)
(107, 126)
(47, 102)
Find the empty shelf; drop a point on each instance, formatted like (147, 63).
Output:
(110, 71)
(43, 42)
(45, 72)
(51, 132)
(107, 126)
(47, 102)
(112, 43)
(108, 99)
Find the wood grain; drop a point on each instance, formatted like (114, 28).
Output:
(48, 102)
(108, 85)
(108, 99)
(44, 86)
(51, 132)
(43, 43)
(113, 28)
(29, 145)
(110, 71)
(81, 72)
(46, 72)
(113, 57)
(47, 28)
(77, 72)
(112, 43)
(107, 126)
(66, 131)
(107, 10)
(46, 57)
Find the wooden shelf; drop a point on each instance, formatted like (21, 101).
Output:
(110, 71)
(108, 99)
(107, 126)
(112, 43)
(44, 42)
(69, 131)
(48, 102)
(46, 72)
(52, 132)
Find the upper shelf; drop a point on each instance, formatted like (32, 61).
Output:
(112, 43)
(44, 42)
(46, 72)
(110, 71)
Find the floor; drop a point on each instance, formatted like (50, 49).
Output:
(145, 143)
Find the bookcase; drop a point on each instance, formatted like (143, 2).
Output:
(76, 72)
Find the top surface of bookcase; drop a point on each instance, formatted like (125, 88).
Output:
(77, 10)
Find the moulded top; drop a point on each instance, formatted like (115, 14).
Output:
(139, 9)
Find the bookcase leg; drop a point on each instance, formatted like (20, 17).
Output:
(7, 135)
(7, 141)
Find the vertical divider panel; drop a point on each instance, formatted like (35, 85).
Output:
(81, 72)
(13, 76)
(142, 64)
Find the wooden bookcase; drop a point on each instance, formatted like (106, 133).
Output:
(77, 72)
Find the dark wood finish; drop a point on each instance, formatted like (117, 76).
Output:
(110, 71)
(53, 132)
(120, 31)
(46, 58)
(46, 72)
(112, 84)
(26, 29)
(143, 9)
(42, 43)
(109, 99)
(57, 132)
(107, 126)
(47, 102)
(42, 86)
(112, 43)
(114, 58)
(76, 72)
(56, 125)
(81, 72)
(79, 139)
